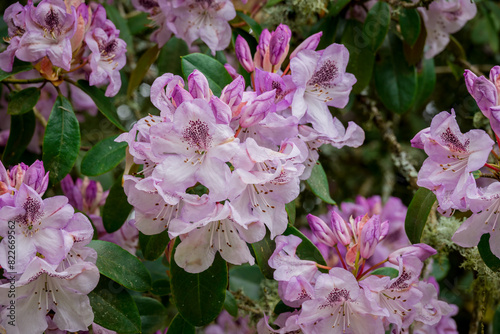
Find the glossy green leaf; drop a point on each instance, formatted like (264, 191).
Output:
(291, 212)
(361, 56)
(23, 126)
(248, 279)
(395, 80)
(417, 214)
(114, 15)
(180, 326)
(18, 67)
(199, 297)
(263, 249)
(415, 53)
(23, 101)
(116, 209)
(103, 157)
(139, 23)
(214, 71)
(61, 142)
(153, 246)
(141, 69)
(153, 314)
(103, 103)
(488, 257)
(386, 271)
(114, 308)
(282, 308)
(230, 304)
(256, 28)
(169, 60)
(409, 20)
(376, 24)
(121, 266)
(306, 250)
(426, 81)
(319, 184)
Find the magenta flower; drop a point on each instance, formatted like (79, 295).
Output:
(38, 228)
(321, 81)
(452, 158)
(49, 29)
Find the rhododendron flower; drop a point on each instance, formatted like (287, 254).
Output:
(321, 81)
(41, 289)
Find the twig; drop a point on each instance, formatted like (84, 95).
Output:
(40, 117)
(24, 81)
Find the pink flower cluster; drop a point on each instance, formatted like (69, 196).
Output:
(190, 20)
(43, 256)
(453, 156)
(67, 35)
(217, 170)
(352, 299)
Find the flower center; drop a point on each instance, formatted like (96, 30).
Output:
(326, 73)
(31, 218)
(197, 135)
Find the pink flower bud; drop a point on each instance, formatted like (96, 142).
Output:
(221, 110)
(243, 54)
(279, 44)
(231, 70)
(233, 93)
(180, 95)
(321, 230)
(370, 236)
(310, 43)
(340, 229)
(198, 86)
(257, 109)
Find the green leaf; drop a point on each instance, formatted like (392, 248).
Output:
(386, 271)
(138, 23)
(18, 67)
(61, 142)
(376, 24)
(409, 20)
(216, 73)
(319, 184)
(415, 53)
(180, 326)
(248, 279)
(291, 212)
(418, 211)
(153, 246)
(169, 60)
(426, 81)
(23, 101)
(103, 103)
(143, 64)
(153, 314)
(361, 56)
(256, 28)
(121, 266)
(306, 250)
(336, 6)
(199, 297)
(395, 80)
(282, 308)
(272, 3)
(22, 128)
(161, 287)
(116, 209)
(121, 24)
(114, 308)
(263, 249)
(103, 157)
(488, 257)
(496, 320)
(230, 304)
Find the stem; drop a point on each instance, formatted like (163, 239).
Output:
(340, 256)
(361, 270)
(40, 117)
(489, 176)
(373, 267)
(238, 132)
(252, 79)
(495, 168)
(78, 67)
(286, 70)
(24, 81)
(495, 154)
(322, 266)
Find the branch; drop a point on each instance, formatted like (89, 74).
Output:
(24, 81)
(399, 157)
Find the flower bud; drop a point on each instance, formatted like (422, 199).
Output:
(232, 94)
(221, 110)
(310, 43)
(369, 237)
(421, 251)
(257, 110)
(198, 86)
(279, 44)
(231, 70)
(340, 229)
(243, 54)
(180, 95)
(321, 230)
